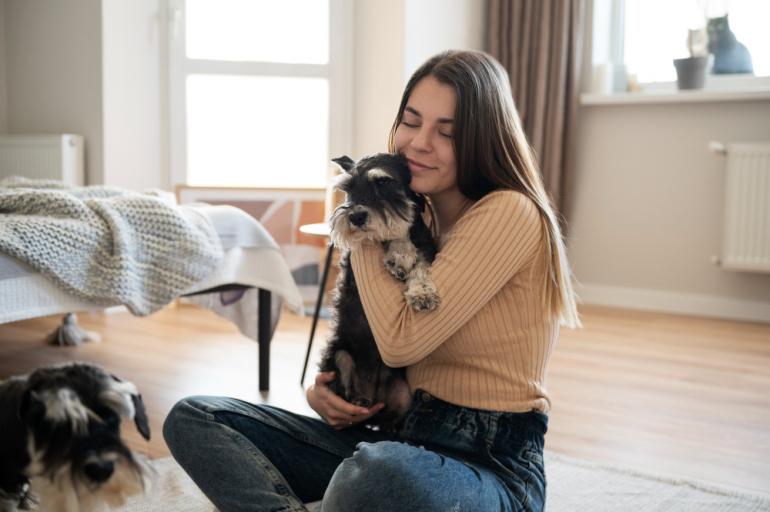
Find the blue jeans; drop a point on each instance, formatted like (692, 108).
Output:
(248, 457)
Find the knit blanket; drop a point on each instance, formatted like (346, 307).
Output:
(107, 245)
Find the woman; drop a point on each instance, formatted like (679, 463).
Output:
(473, 437)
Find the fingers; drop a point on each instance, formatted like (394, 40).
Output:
(344, 407)
(347, 421)
(335, 410)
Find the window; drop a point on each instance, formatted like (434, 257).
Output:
(259, 91)
(655, 33)
(639, 39)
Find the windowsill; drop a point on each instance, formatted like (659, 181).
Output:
(676, 96)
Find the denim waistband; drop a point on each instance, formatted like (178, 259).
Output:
(433, 422)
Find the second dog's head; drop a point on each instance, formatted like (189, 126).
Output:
(72, 414)
(379, 204)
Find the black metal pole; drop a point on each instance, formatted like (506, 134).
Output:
(321, 290)
(263, 337)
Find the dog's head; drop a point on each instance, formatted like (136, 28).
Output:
(72, 414)
(379, 204)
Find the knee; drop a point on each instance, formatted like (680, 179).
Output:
(178, 427)
(363, 478)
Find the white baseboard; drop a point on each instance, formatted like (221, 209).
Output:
(673, 302)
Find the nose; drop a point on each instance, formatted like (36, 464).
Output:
(358, 218)
(421, 140)
(99, 471)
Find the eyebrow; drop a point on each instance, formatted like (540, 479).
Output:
(445, 120)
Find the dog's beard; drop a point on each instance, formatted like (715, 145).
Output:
(379, 227)
(59, 490)
(127, 480)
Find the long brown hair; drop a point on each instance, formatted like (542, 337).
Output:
(492, 153)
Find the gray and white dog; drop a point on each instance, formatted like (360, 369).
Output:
(61, 446)
(379, 207)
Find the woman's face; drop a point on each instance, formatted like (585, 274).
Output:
(425, 137)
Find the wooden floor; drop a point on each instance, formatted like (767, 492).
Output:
(671, 395)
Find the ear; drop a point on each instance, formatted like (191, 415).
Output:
(140, 417)
(123, 398)
(346, 366)
(345, 162)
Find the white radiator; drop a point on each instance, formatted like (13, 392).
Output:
(53, 157)
(746, 236)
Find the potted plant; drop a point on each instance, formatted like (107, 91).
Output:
(691, 71)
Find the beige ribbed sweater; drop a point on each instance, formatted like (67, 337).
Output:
(488, 343)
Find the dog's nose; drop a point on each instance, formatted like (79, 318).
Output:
(99, 471)
(358, 218)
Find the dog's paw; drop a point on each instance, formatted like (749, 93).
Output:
(396, 270)
(422, 296)
(399, 264)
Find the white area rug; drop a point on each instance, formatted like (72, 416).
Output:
(573, 486)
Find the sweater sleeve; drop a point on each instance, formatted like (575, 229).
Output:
(496, 238)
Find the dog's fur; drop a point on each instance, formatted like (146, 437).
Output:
(61, 444)
(379, 207)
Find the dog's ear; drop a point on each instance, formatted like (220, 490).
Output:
(345, 162)
(123, 397)
(140, 417)
(346, 366)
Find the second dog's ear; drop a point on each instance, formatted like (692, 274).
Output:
(345, 162)
(123, 398)
(140, 417)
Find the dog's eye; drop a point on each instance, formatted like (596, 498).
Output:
(112, 421)
(384, 181)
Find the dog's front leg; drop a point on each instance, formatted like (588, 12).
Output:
(421, 293)
(400, 257)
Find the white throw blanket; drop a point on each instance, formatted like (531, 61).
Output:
(105, 244)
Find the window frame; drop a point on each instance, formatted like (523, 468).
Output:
(338, 72)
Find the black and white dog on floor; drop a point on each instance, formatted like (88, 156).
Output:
(60, 447)
(379, 207)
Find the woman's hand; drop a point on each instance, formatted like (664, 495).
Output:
(338, 413)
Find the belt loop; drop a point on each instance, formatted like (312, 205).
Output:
(492, 427)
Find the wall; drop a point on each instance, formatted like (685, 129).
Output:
(432, 26)
(134, 128)
(90, 67)
(378, 35)
(53, 72)
(391, 39)
(648, 215)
